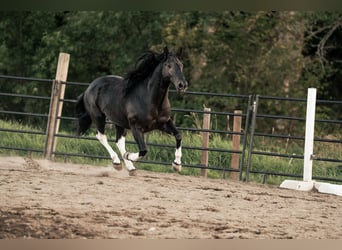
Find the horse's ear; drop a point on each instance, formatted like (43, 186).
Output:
(166, 51)
(179, 53)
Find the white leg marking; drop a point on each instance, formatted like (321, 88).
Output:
(178, 155)
(103, 139)
(122, 148)
(133, 156)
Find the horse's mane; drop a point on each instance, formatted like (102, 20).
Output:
(144, 67)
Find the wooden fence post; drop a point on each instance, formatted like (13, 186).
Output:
(236, 144)
(205, 141)
(56, 105)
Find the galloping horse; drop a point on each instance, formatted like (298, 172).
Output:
(137, 102)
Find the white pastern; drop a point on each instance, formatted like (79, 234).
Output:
(178, 155)
(122, 148)
(103, 139)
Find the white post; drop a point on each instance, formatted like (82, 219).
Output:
(308, 184)
(309, 134)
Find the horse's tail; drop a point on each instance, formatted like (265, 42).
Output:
(84, 120)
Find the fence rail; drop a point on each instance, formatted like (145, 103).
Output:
(274, 142)
(291, 136)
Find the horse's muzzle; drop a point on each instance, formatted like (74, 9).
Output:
(182, 87)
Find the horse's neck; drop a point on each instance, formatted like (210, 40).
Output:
(158, 89)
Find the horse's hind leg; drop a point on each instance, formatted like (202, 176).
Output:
(116, 160)
(121, 144)
(100, 125)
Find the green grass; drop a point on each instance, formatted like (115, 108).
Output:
(20, 140)
(155, 153)
(190, 156)
(291, 165)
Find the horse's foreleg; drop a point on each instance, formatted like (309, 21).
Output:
(170, 128)
(177, 163)
(139, 138)
(103, 139)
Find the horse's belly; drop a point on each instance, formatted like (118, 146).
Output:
(120, 121)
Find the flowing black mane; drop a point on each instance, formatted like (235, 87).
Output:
(144, 67)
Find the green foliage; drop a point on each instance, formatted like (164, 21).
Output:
(278, 53)
(243, 51)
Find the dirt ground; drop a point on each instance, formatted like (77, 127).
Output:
(43, 199)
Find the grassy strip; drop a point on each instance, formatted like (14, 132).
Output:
(190, 156)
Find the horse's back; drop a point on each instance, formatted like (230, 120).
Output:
(105, 95)
(104, 84)
(102, 81)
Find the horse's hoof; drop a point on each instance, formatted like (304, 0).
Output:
(176, 167)
(132, 172)
(117, 166)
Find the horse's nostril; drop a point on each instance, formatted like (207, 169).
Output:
(180, 85)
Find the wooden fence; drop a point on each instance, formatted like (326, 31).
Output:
(244, 133)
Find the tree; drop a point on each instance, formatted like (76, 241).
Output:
(323, 49)
(270, 52)
(101, 42)
(20, 40)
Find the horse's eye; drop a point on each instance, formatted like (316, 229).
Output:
(168, 65)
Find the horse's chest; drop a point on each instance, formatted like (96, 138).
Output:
(156, 118)
(148, 118)
(160, 117)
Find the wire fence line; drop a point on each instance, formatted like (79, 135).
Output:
(251, 135)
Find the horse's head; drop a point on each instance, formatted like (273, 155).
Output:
(173, 70)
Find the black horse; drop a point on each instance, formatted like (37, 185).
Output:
(138, 102)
